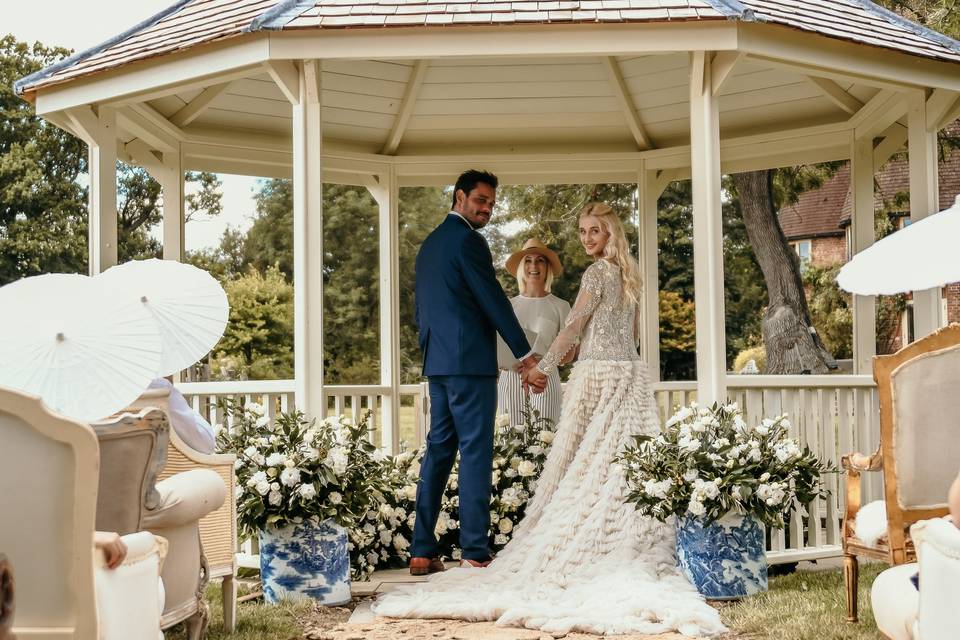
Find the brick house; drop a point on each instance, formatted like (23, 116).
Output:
(818, 227)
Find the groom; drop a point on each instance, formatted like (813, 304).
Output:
(460, 308)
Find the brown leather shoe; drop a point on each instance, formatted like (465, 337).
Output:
(475, 564)
(425, 566)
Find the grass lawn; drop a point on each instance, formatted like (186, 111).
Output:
(806, 605)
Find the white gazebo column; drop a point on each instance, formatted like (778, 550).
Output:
(863, 235)
(99, 131)
(308, 243)
(707, 232)
(386, 192)
(648, 195)
(171, 182)
(922, 146)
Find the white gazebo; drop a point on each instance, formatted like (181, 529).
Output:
(392, 93)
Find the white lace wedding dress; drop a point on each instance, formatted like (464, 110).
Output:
(581, 559)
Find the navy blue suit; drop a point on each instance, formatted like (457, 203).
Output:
(460, 308)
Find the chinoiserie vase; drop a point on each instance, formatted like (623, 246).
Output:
(725, 559)
(305, 560)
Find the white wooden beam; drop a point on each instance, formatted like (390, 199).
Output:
(864, 307)
(622, 93)
(142, 154)
(953, 113)
(308, 244)
(648, 196)
(286, 75)
(892, 141)
(140, 127)
(924, 195)
(158, 120)
(103, 192)
(146, 80)
(195, 108)
(174, 211)
(836, 94)
(724, 63)
(829, 57)
(707, 233)
(85, 123)
(939, 105)
(386, 191)
(409, 100)
(882, 111)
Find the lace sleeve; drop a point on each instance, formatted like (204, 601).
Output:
(591, 292)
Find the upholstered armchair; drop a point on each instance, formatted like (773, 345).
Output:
(919, 401)
(53, 583)
(218, 529)
(904, 613)
(133, 451)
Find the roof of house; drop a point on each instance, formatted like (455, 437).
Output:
(827, 211)
(189, 23)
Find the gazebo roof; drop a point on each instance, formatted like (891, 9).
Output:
(190, 23)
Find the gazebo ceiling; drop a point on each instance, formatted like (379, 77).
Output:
(519, 105)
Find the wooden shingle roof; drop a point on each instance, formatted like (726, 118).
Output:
(189, 23)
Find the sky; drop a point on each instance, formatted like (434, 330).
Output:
(78, 25)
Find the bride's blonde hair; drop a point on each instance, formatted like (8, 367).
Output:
(617, 250)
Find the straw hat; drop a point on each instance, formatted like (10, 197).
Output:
(534, 246)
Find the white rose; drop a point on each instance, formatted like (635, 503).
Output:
(238, 492)
(290, 477)
(500, 539)
(503, 420)
(410, 491)
(505, 525)
(457, 554)
(386, 537)
(255, 408)
(307, 491)
(276, 459)
(371, 557)
(335, 498)
(259, 459)
(764, 477)
(311, 453)
(526, 468)
(250, 451)
(238, 463)
(510, 473)
(263, 488)
(535, 450)
(690, 475)
(696, 508)
(386, 511)
(262, 421)
(275, 498)
(400, 543)
(547, 436)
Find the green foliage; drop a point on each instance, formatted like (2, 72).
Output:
(677, 336)
(830, 309)
(758, 354)
(708, 462)
(258, 340)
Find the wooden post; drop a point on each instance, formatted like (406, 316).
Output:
(707, 232)
(922, 146)
(103, 192)
(648, 196)
(387, 194)
(864, 235)
(308, 242)
(171, 181)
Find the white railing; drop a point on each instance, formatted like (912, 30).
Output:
(833, 415)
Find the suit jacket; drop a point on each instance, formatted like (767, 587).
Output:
(460, 306)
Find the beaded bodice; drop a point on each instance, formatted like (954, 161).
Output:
(604, 322)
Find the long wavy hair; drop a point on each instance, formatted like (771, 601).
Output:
(617, 250)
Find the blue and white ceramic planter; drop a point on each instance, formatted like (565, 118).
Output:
(305, 560)
(724, 560)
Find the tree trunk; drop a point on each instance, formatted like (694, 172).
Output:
(789, 336)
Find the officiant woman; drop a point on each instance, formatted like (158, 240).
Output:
(539, 311)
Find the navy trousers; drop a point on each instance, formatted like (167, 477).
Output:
(462, 411)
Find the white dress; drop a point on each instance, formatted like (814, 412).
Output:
(544, 316)
(582, 559)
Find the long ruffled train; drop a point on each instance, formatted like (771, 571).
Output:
(582, 559)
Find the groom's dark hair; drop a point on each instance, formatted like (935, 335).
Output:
(469, 180)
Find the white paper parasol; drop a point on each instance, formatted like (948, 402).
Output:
(64, 339)
(920, 256)
(188, 303)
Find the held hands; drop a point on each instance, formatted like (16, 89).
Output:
(113, 547)
(533, 379)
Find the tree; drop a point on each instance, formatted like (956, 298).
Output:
(792, 343)
(678, 333)
(258, 341)
(43, 218)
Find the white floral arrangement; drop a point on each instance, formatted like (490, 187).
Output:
(383, 537)
(290, 469)
(708, 461)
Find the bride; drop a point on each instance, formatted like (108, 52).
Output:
(582, 559)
